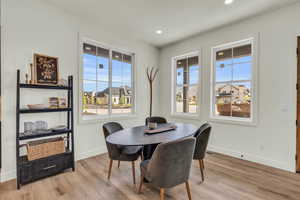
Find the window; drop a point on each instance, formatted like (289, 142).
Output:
(107, 81)
(186, 84)
(233, 81)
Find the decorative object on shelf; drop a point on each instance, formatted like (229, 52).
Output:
(36, 127)
(59, 128)
(151, 74)
(31, 74)
(62, 82)
(53, 102)
(26, 79)
(29, 127)
(62, 102)
(44, 148)
(37, 106)
(45, 69)
(41, 125)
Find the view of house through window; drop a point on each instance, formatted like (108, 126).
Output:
(233, 77)
(187, 83)
(107, 81)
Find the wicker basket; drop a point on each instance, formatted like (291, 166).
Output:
(44, 148)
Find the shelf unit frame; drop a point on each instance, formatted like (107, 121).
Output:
(21, 137)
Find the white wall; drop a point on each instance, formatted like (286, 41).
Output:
(272, 141)
(33, 27)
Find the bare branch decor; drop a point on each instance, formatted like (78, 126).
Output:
(151, 74)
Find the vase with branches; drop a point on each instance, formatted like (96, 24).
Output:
(151, 75)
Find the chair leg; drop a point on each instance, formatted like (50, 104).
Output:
(133, 171)
(142, 157)
(187, 185)
(141, 184)
(119, 164)
(162, 194)
(109, 170)
(200, 164)
(201, 169)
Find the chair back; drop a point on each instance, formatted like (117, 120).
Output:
(108, 129)
(159, 120)
(202, 137)
(171, 163)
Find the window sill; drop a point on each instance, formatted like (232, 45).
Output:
(89, 119)
(185, 116)
(237, 121)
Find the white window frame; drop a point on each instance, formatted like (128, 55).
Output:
(95, 118)
(252, 121)
(174, 84)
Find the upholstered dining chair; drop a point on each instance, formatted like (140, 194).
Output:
(169, 166)
(159, 120)
(149, 149)
(202, 137)
(119, 152)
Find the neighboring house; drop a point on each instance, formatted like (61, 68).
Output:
(192, 94)
(235, 94)
(89, 98)
(119, 95)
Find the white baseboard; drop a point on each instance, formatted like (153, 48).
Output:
(244, 156)
(7, 175)
(11, 174)
(91, 153)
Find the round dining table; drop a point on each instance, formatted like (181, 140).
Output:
(136, 136)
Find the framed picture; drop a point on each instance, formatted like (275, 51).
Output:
(45, 69)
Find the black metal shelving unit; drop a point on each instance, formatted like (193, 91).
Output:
(28, 171)
(45, 110)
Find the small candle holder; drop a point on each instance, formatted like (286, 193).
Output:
(152, 125)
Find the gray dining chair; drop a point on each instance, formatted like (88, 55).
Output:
(202, 137)
(155, 119)
(119, 152)
(169, 166)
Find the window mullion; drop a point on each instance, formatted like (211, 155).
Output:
(185, 87)
(231, 90)
(188, 83)
(133, 86)
(110, 83)
(96, 79)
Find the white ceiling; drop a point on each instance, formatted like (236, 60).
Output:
(177, 18)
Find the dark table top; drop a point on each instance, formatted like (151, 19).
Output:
(136, 137)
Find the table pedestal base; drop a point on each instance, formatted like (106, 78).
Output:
(148, 151)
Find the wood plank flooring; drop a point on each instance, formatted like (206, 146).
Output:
(226, 178)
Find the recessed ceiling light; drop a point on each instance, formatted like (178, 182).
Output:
(159, 32)
(228, 2)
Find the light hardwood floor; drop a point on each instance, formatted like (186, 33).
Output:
(226, 178)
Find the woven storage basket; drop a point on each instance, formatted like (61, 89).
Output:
(44, 148)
